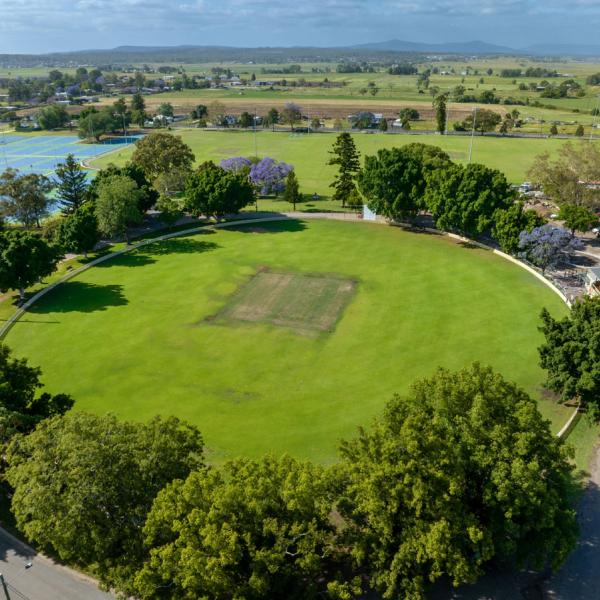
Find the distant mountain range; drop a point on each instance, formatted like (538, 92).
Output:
(391, 50)
(483, 48)
(447, 48)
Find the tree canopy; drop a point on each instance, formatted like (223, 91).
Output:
(147, 194)
(212, 191)
(509, 223)
(159, 153)
(253, 529)
(117, 205)
(52, 117)
(546, 246)
(78, 232)
(567, 178)
(394, 181)
(83, 485)
(22, 407)
(578, 218)
(24, 259)
(571, 353)
(24, 198)
(461, 470)
(465, 198)
(93, 124)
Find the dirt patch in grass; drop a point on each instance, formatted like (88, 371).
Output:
(303, 302)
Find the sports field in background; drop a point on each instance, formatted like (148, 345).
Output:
(309, 153)
(41, 153)
(221, 330)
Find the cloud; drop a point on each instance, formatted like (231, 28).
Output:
(102, 23)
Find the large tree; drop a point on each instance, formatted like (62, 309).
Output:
(212, 191)
(578, 218)
(571, 353)
(441, 112)
(569, 178)
(268, 176)
(22, 407)
(395, 180)
(78, 232)
(346, 157)
(546, 246)
(160, 153)
(24, 198)
(147, 196)
(460, 471)
(464, 199)
(24, 259)
(84, 484)
(71, 185)
(292, 189)
(508, 223)
(249, 530)
(117, 206)
(93, 124)
(291, 114)
(52, 117)
(484, 119)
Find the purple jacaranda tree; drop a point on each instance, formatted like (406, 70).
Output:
(546, 245)
(268, 176)
(236, 164)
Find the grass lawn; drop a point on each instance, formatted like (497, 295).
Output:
(135, 336)
(310, 153)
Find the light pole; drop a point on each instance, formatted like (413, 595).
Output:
(255, 141)
(594, 118)
(472, 134)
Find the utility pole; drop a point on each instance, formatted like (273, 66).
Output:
(255, 141)
(594, 118)
(4, 587)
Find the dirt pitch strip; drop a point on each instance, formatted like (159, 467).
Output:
(303, 302)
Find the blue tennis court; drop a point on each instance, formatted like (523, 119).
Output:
(41, 153)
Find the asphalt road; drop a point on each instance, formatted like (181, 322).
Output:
(44, 579)
(579, 578)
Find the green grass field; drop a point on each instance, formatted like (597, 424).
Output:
(134, 336)
(310, 153)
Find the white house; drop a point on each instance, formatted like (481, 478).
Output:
(592, 281)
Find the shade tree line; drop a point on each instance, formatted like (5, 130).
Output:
(472, 200)
(457, 474)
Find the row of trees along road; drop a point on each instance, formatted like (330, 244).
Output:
(460, 472)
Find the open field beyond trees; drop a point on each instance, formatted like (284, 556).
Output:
(309, 153)
(135, 336)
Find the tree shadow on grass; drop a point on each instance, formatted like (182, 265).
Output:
(283, 226)
(78, 296)
(131, 259)
(180, 245)
(146, 255)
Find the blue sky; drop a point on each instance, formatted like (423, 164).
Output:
(54, 25)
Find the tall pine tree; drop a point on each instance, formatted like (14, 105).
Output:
(346, 156)
(72, 185)
(441, 112)
(292, 191)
